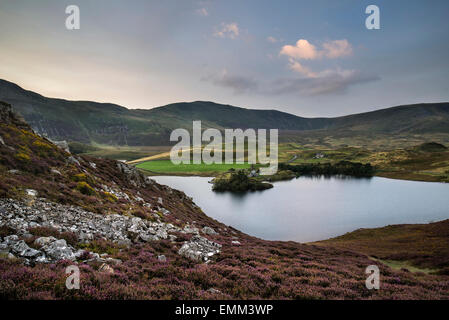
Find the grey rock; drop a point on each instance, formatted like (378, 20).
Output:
(63, 145)
(199, 249)
(213, 291)
(42, 241)
(209, 231)
(59, 250)
(162, 258)
(73, 160)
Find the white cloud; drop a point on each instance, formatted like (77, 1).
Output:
(230, 30)
(272, 39)
(296, 66)
(202, 12)
(303, 49)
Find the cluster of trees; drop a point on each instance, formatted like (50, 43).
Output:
(239, 182)
(347, 168)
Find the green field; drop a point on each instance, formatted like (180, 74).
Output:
(166, 166)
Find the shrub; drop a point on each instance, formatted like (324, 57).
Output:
(110, 197)
(42, 145)
(80, 177)
(22, 157)
(85, 188)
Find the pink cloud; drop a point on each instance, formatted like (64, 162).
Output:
(302, 50)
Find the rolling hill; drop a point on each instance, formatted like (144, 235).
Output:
(106, 123)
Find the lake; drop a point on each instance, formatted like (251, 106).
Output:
(318, 208)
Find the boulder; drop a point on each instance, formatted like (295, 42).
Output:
(59, 250)
(199, 249)
(209, 231)
(42, 241)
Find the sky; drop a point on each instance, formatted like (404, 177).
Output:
(310, 58)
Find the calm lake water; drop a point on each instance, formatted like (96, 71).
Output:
(309, 209)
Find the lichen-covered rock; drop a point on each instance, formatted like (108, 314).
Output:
(209, 231)
(59, 250)
(199, 249)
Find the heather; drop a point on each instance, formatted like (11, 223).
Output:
(419, 245)
(163, 229)
(255, 270)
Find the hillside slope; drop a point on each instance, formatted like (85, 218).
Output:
(135, 239)
(86, 122)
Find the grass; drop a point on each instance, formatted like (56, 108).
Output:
(401, 265)
(423, 246)
(166, 166)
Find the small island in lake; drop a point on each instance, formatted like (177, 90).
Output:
(239, 181)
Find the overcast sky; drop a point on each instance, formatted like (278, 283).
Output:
(310, 58)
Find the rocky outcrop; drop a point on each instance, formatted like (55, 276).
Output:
(125, 230)
(7, 116)
(87, 225)
(62, 144)
(134, 176)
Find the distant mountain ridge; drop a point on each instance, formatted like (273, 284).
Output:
(107, 123)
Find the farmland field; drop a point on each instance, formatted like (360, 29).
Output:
(166, 166)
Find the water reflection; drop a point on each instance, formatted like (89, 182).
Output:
(316, 208)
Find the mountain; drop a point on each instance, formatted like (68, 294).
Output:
(132, 238)
(105, 123)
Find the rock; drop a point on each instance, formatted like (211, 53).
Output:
(73, 160)
(2, 141)
(114, 261)
(134, 176)
(213, 291)
(237, 243)
(93, 165)
(106, 268)
(86, 225)
(59, 250)
(159, 200)
(189, 229)
(80, 253)
(23, 250)
(14, 171)
(162, 258)
(31, 193)
(63, 145)
(42, 241)
(10, 240)
(199, 248)
(54, 171)
(209, 231)
(164, 211)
